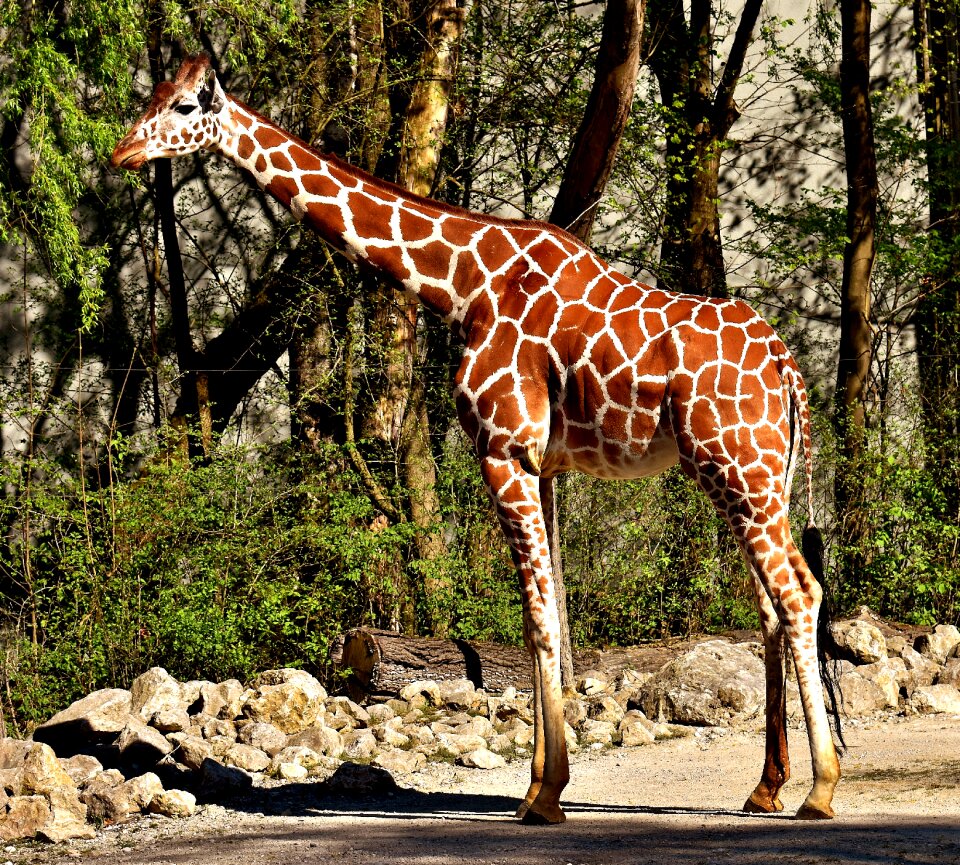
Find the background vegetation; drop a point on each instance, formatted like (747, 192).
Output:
(222, 447)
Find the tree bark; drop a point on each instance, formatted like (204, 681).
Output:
(604, 120)
(575, 209)
(381, 663)
(937, 318)
(399, 414)
(698, 120)
(853, 368)
(194, 391)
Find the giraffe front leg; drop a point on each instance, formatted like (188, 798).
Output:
(536, 766)
(765, 798)
(516, 495)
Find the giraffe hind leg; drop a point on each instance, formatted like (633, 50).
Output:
(765, 798)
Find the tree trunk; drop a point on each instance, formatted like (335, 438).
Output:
(605, 118)
(381, 663)
(937, 317)
(575, 208)
(698, 121)
(195, 427)
(399, 417)
(853, 369)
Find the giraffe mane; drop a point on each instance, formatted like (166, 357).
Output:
(413, 197)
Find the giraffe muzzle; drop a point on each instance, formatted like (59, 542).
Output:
(129, 155)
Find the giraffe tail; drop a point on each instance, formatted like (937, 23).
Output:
(812, 548)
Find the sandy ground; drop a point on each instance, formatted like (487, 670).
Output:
(673, 802)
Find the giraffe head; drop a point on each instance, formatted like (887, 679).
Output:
(183, 117)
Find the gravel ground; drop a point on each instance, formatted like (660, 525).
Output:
(673, 802)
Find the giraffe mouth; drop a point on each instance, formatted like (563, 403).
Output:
(129, 155)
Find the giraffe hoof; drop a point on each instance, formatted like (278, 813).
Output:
(522, 810)
(815, 812)
(541, 815)
(756, 805)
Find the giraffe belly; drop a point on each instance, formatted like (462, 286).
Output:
(612, 459)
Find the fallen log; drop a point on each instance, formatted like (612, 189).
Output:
(377, 664)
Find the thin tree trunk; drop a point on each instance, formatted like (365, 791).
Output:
(698, 120)
(853, 368)
(575, 208)
(937, 318)
(193, 383)
(605, 118)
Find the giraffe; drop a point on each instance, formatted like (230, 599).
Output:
(568, 365)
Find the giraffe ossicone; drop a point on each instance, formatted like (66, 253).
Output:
(567, 365)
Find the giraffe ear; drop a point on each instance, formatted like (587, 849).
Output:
(211, 96)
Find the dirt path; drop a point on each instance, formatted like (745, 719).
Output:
(674, 802)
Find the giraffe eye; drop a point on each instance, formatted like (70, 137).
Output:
(185, 108)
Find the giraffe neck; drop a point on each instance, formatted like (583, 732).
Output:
(405, 238)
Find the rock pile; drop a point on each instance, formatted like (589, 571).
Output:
(161, 744)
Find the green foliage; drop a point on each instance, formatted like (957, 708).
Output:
(647, 559)
(212, 571)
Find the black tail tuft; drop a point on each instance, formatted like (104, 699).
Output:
(828, 652)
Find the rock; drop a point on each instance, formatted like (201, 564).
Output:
(519, 732)
(114, 802)
(221, 700)
(716, 682)
(481, 758)
(380, 713)
(933, 699)
(141, 745)
(295, 755)
(939, 645)
(457, 744)
(400, 762)
(596, 732)
(476, 726)
(950, 674)
(323, 740)
(290, 772)
(391, 737)
(173, 803)
(921, 671)
(193, 751)
(88, 723)
(860, 641)
(246, 757)
(459, 694)
(574, 711)
(359, 744)
(13, 752)
(604, 708)
(42, 772)
(635, 729)
(154, 691)
(214, 728)
(217, 778)
(68, 817)
(357, 779)
(593, 682)
(860, 695)
(887, 675)
(174, 720)
(190, 694)
(422, 693)
(25, 817)
(291, 700)
(81, 768)
(266, 737)
(143, 788)
(346, 706)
